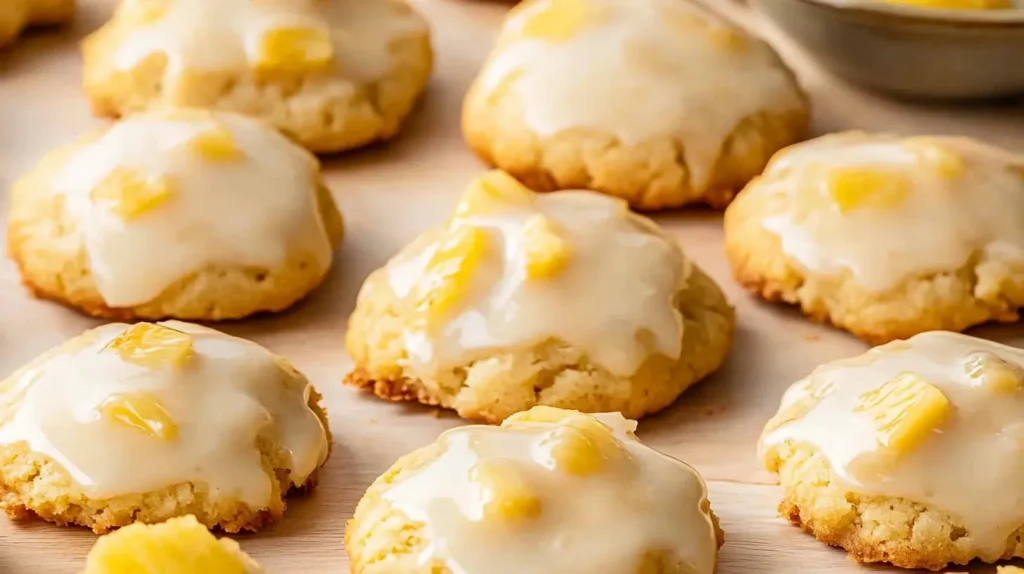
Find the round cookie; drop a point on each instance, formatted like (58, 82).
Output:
(332, 74)
(884, 236)
(565, 299)
(178, 546)
(659, 102)
(148, 422)
(548, 492)
(17, 15)
(908, 454)
(178, 213)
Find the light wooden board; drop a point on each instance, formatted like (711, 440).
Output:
(388, 195)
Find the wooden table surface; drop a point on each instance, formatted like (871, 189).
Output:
(390, 193)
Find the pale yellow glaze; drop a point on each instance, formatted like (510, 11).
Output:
(256, 207)
(611, 295)
(944, 200)
(964, 459)
(638, 503)
(217, 399)
(640, 71)
(224, 36)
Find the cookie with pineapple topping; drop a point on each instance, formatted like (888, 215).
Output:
(908, 454)
(181, 213)
(17, 15)
(152, 421)
(178, 546)
(332, 74)
(565, 299)
(549, 491)
(660, 102)
(885, 236)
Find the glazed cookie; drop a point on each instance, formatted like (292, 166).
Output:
(550, 491)
(564, 299)
(16, 15)
(908, 454)
(148, 422)
(186, 214)
(178, 546)
(659, 102)
(332, 74)
(883, 236)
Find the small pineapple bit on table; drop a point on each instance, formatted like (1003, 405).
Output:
(178, 546)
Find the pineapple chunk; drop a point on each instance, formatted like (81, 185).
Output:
(153, 346)
(579, 445)
(541, 414)
(957, 4)
(547, 253)
(141, 412)
(946, 163)
(810, 394)
(178, 546)
(144, 12)
(295, 50)
(560, 20)
(490, 192)
(905, 410)
(216, 144)
(450, 272)
(994, 373)
(504, 494)
(131, 194)
(856, 188)
(727, 39)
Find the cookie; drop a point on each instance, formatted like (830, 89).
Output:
(180, 213)
(885, 236)
(660, 102)
(178, 546)
(334, 75)
(152, 421)
(565, 299)
(17, 15)
(550, 491)
(908, 454)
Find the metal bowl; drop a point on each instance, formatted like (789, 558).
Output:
(908, 51)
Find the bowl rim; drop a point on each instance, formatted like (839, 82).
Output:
(919, 15)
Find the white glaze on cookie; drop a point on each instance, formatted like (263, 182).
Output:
(968, 465)
(223, 35)
(636, 503)
(225, 393)
(257, 210)
(614, 299)
(638, 71)
(959, 197)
